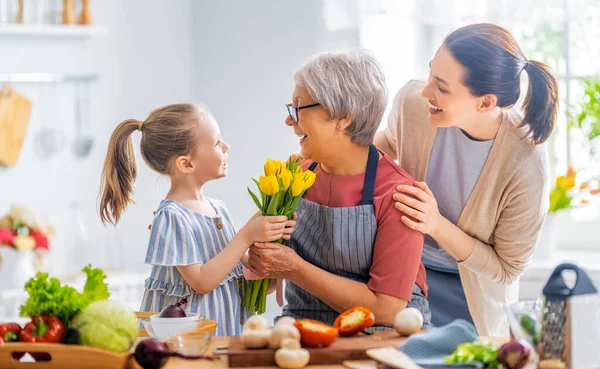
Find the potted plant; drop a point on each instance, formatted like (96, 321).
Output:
(24, 241)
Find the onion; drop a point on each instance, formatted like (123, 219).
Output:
(153, 354)
(174, 311)
(514, 354)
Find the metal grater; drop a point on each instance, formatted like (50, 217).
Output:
(570, 335)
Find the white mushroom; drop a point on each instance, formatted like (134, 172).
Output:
(290, 355)
(256, 322)
(255, 333)
(281, 331)
(408, 321)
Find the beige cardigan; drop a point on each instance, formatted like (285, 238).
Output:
(504, 213)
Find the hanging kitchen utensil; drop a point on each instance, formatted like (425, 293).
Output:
(15, 111)
(49, 141)
(570, 335)
(83, 141)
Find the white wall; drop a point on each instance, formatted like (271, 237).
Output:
(145, 61)
(245, 54)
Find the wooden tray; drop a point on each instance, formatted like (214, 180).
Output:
(344, 348)
(59, 356)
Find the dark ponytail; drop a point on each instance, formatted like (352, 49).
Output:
(493, 62)
(541, 102)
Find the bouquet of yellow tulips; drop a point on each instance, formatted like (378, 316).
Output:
(281, 189)
(564, 195)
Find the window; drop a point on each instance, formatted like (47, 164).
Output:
(404, 36)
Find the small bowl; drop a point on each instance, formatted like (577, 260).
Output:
(525, 320)
(162, 330)
(189, 344)
(191, 317)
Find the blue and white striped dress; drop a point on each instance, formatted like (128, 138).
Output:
(180, 236)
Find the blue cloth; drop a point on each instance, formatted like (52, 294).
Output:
(429, 349)
(447, 299)
(179, 237)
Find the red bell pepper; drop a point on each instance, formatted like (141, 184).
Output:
(43, 328)
(354, 321)
(315, 334)
(9, 332)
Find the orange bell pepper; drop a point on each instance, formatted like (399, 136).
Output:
(354, 321)
(315, 334)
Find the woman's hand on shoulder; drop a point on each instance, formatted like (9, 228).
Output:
(262, 228)
(419, 206)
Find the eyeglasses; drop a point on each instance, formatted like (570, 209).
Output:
(293, 110)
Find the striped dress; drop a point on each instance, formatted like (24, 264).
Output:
(180, 236)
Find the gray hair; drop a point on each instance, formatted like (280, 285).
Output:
(348, 84)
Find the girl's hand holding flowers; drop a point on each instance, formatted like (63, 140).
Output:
(262, 228)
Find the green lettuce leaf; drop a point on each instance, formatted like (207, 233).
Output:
(48, 296)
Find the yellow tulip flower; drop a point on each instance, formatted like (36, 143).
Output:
(565, 182)
(268, 185)
(309, 179)
(298, 186)
(286, 178)
(272, 167)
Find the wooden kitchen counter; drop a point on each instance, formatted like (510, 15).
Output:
(175, 363)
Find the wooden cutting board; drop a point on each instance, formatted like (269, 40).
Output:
(344, 348)
(14, 118)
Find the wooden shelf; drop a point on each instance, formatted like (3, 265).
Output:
(51, 30)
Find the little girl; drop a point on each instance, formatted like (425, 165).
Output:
(194, 249)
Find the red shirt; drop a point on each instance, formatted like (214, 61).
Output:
(397, 251)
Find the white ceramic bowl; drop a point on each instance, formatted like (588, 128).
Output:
(162, 328)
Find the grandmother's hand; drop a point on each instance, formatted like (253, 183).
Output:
(422, 208)
(273, 260)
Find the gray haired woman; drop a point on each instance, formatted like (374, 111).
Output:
(349, 247)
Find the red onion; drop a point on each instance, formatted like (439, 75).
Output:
(514, 354)
(153, 354)
(174, 311)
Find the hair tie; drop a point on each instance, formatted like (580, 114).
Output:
(140, 123)
(527, 64)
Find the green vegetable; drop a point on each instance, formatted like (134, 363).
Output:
(476, 352)
(108, 325)
(528, 324)
(536, 339)
(47, 296)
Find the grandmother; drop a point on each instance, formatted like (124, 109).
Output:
(349, 246)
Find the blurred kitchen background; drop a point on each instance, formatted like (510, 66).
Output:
(238, 57)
